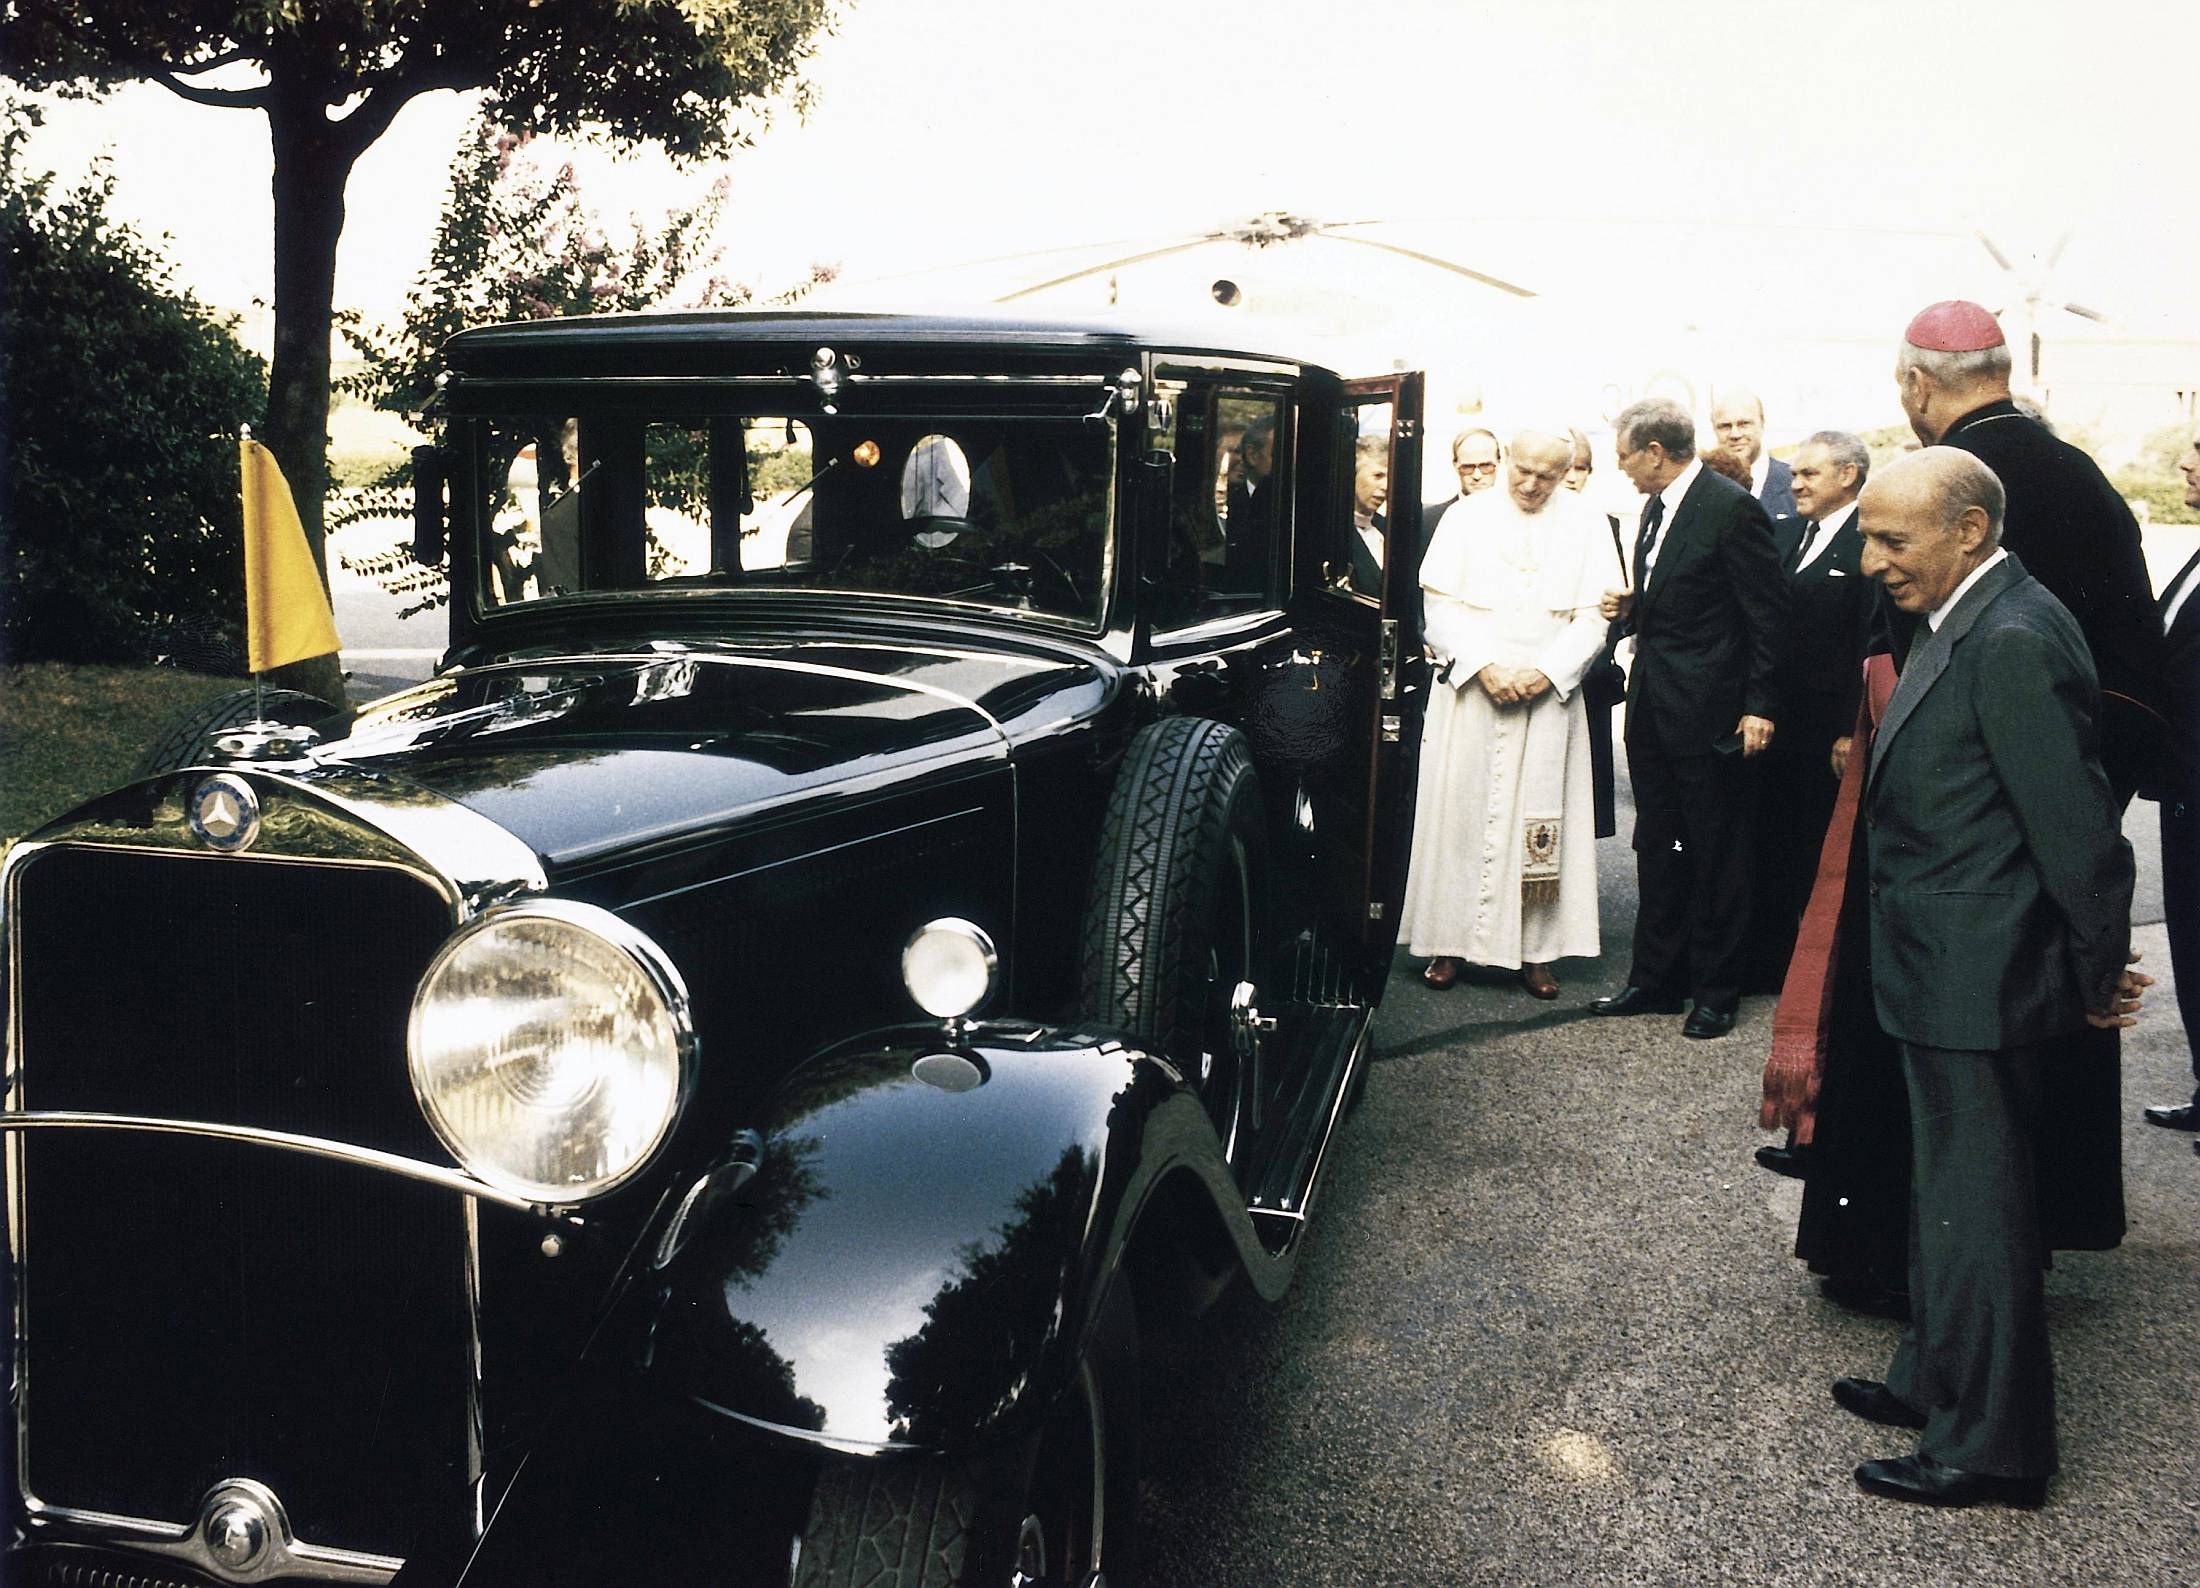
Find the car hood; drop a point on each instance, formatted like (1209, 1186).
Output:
(584, 758)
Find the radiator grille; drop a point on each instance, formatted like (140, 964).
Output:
(196, 1310)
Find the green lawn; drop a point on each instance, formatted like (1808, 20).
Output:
(67, 733)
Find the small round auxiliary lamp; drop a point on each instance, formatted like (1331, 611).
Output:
(949, 966)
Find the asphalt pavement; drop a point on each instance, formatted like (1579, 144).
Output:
(1548, 1330)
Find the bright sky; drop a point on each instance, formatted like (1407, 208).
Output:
(1752, 190)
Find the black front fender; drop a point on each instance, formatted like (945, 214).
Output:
(893, 1265)
(912, 1253)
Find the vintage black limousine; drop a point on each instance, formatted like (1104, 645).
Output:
(886, 891)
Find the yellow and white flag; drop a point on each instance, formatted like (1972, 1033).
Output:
(286, 611)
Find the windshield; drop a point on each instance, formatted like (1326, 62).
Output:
(1010, 513)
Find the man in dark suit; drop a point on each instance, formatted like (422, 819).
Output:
(1705, 612)
(2000, 903)
(1738, 419)
(1249, 526)
(2180, 796)
(1821, 672)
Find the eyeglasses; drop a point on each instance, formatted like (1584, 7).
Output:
(1477, 468)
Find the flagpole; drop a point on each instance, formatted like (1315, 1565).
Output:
(259, 679)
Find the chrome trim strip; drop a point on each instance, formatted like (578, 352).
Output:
(1216, 628)
(286, 1557)
(858, 378)
(13, 1121)
(479, 861)
(769, 663)
(1352, 1066)
(477, 1410)
(808, 1436)
(490, 383)
(465, 857)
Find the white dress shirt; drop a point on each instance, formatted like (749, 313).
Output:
(1939, 613)
(2180, 593)
(1675, 489)
(1822, 537)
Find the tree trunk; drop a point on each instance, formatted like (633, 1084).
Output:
(312, 164)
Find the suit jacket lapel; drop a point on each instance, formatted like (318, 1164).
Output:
(1683, 524)
(2191, 609)
(1930, 655)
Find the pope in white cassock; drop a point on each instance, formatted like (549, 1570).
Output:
(1504, 845)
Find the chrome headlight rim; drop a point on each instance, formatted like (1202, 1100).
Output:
(656, 967)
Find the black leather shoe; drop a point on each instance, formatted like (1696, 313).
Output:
(1862, 1295)
(1705, 1021)
(1875, 1403)
(2177, 1116)
(1633, 1000)
(1921, 1479)
(1794, 1162)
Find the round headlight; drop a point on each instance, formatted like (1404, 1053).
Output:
(549, 1045)
(948, 967)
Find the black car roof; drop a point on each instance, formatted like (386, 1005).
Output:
(585, 344)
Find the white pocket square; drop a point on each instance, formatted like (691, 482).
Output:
(1837, 573)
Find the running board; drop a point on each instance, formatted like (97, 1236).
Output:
(1282, 1181)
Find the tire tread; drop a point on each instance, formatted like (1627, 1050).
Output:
(890, 1524)
(1163, 803)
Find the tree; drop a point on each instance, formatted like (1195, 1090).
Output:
(331, 75)
(120, 399)
(518, 240)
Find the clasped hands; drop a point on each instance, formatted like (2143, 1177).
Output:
(1616, 603)
(1512, 686)
(2123, 1004)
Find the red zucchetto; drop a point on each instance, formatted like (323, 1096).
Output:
(1954, 326)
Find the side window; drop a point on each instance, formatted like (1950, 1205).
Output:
(676, 494)
(533, 476)
(724, 496)
(1230, 516)
(1357, 539)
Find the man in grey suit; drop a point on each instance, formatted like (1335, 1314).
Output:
(2000, 926)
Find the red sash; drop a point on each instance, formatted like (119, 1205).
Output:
(1800, 1023)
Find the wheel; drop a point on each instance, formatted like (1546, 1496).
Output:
(1061, 1509)
(190, 736)
(1173, 917)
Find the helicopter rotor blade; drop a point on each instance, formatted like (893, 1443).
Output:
(1024, 254)
(2054, 255)
(1456, 269)
(1108, 265)
(2000, 258)
(2085, 313)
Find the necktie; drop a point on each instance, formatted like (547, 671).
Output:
(1652, 516)
(1802, 544)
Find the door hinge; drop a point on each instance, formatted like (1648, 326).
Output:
(1390, 659)
(1391, 728)
(1375, 910)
